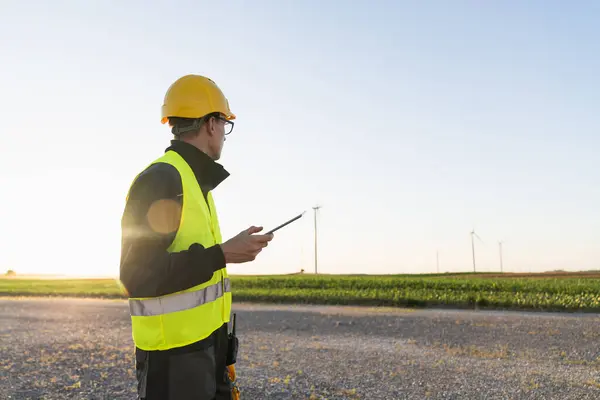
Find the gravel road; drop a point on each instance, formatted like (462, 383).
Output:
(82, 349)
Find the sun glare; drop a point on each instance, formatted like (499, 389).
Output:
(80, 234)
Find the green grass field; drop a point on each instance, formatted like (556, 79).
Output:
(559, 292)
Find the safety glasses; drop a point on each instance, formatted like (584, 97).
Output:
(227, 124)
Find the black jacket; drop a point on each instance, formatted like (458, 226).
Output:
(149, 225)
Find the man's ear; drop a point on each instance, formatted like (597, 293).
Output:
(211, 125)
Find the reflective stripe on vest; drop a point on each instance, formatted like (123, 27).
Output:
(178, 302)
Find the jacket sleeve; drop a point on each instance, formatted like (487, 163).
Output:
(149, 225)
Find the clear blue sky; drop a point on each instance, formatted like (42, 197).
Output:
(410, 122)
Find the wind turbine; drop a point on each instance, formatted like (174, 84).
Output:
(473, 235)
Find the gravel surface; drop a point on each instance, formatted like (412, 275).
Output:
(82, 349)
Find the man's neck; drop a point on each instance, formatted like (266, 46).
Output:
(200, 145)
(208, 172)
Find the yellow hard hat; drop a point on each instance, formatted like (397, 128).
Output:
(194, 96)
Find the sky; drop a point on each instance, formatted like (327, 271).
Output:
(410, 122)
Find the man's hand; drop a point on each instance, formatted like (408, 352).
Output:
(245, 246)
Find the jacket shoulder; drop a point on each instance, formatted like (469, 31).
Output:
(158, 181)
(159, 171)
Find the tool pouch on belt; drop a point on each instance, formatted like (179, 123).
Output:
(232, 350)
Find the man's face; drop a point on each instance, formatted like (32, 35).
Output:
(221, 127)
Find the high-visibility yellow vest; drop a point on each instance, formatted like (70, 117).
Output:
(182, 318)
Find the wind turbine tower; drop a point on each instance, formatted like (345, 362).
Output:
(500, 250)
(473, 236)
(316, 208)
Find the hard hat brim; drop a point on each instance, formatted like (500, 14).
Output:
(229, 117)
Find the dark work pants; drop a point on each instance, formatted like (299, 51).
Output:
(194, 372)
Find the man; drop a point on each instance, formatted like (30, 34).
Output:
(173, 260)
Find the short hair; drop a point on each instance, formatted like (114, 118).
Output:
(188, 126)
